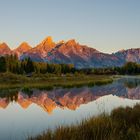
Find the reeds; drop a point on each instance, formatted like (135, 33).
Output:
(121, 124)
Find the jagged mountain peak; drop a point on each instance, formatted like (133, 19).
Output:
(48, 40)
(128, 50)
(4, 45)
(74, 47)
(23, 46)
(24, 43)
(41, 50)
(61, 42)
(71, 42)
(122, 50)
(4, 49)
(47, 44)
(132, 55)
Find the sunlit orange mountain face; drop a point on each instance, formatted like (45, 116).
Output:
(22, 48)
(4, 49)
(70, 99)
(71, 52)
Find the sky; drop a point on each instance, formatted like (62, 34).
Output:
(106, 25)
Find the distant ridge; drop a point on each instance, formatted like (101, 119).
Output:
(71, 52)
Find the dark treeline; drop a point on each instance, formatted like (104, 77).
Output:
(130, 68)
(13, 65)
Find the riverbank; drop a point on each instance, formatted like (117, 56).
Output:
(48, 81)
(121, 124)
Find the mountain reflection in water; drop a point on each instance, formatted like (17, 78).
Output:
(23, 112)
(70, 98)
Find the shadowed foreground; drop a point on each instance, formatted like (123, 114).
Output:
(121, 124)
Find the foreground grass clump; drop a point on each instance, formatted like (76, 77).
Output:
(121, 124)
(48, 81)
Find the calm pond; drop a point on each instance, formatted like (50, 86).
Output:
(26, 113)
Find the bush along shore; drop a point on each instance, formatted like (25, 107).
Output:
(49, 81)
(121, 124)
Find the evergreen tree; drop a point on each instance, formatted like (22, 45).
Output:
(2, 64)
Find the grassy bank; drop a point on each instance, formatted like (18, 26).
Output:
(121, 124)
(48, 81)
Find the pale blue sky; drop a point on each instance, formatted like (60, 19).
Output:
(107, 25)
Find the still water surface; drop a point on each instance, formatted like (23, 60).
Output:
(24, 113)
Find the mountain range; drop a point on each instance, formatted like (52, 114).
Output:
(71, 52)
